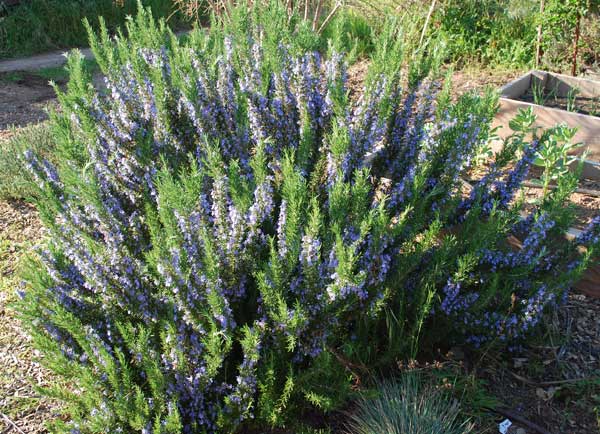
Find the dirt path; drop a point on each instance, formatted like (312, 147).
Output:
(25, 98)
(34, 63)
(48, 60)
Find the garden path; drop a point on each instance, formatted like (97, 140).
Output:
(40, 61)
(50, 59)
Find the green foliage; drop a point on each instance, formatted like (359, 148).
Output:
(555, 154)
(40, 25)
(497, 33)
(555, 151)
(351, 33)
(494, 32)
(406, 406)
(590, 35)
(559, 21)
(15, 180)
(540, 95)
(572, 99)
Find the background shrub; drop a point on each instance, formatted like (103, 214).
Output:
(234, 241)
(42, 25)
(560, 21)
(496, 32)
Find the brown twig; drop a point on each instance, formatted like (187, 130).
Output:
(576, 43)
(520, 419)
(587, 191)
(538, 45)
(316, 15)
(11, 423)
(431, 9)
(350, 366)
(544, 383)
(290, 9)
(329, 17)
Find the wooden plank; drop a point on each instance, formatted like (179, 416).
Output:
(517, 87)
(589, 284)
(588, 127)
(551, 81)
(591, 169)
(564, 83)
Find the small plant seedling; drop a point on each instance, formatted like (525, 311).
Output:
(523, 121)
(595, 108)
(554, 156)
(11, 77)
(572, 99)
(540, 93)
(537, 88)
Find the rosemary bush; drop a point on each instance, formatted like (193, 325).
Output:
(233, 240)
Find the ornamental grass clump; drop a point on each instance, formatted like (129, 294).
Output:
(233, 241)
(406, 406)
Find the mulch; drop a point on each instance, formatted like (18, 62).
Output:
(21, 407)
(553, 382)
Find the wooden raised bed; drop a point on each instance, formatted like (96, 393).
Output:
(588, 132)
(588, 126)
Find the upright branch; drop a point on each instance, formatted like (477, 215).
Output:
(426, 25)
(328, 18)
(576, 42)
(538, 47)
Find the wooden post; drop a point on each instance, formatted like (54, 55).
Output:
(576, 43)
(538, 47)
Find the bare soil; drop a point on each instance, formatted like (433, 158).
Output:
(52, 59)
(585, 206)
(554, 382)
(583, 105)
(478, 79)
(24, 99)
